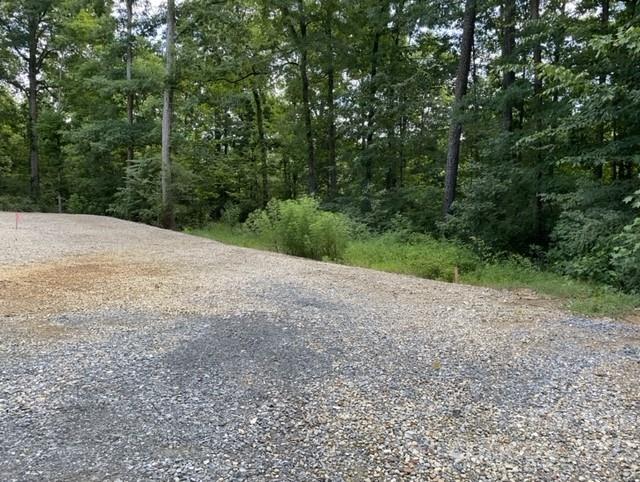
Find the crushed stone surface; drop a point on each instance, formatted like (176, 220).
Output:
(132, 353)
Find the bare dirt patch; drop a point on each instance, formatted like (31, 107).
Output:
(74, 283)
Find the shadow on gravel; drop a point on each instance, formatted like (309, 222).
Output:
(252, 348)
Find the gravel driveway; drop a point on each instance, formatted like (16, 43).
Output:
(132, 353)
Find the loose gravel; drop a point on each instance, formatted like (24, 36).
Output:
(132, 353)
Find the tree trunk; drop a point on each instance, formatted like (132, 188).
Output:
(331, 108)
(130, 152)
(306, 102)
(455, 130)
(217, 131)
(401, 155)
(604, 23)
(167, 217)
(558, 40)
(508, 47)
(534, 12)
(262, 148)
(396, 142)
(34, 161)
(373, 88)
(534, 15)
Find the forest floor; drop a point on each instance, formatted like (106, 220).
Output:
(128, 352)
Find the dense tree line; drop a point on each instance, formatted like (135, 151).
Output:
(512, 125)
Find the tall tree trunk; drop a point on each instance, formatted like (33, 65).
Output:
(262, 147)
(534, 16)
(371, 112)
(225, 133)
(306, 99)
(455, 130)
(331, 108)
(396, 142)
(401, 155)
(130, 152)
(308, 128)
(508, 47)
(558, 40)
(167, 218)
(218, 131)
(604, 24)
(34, 161)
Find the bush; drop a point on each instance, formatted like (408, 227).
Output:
(583, 243)
(140, 198)
(231, 214)
(17, 203)
(301, 228)
(498, 209)
(625, 258)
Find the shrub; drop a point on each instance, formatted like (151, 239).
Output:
(17, 203)
(301, 228)
(583, 243)
(625, 258)
(140, 197)
(231, 214)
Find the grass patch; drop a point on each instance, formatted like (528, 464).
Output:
(423, 256)
(578, 296)
(235, 235)
(417, 255)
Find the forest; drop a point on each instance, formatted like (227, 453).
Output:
(503, 129)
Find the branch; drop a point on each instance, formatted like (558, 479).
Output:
(290, 25)
(17, 51)
(15, 84)
(45, 53)
(239, 79)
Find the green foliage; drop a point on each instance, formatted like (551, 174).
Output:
(300, 228)
(579, 296)
(17, 203)
(625, 257)
(139, 199)
(418, 255)
(236, 235)
(231, 214)
(77, 204)
(583, 243)
(594, 236)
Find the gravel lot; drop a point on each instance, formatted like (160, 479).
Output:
(132, 353)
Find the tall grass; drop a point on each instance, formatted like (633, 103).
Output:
(417, 255)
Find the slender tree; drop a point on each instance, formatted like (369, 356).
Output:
(455, 129)
(299, 36)
(129, 5)
(331, 107)
(604, 24)
(26, 29)
(534, 16)
(373, 89)
(262, 146)
(167, 217)
(508, 47)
